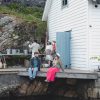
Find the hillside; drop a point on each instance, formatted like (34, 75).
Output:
(25, 23)
(38, 3)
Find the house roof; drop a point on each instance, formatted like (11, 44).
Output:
(46, 10)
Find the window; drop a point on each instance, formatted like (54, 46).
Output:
(98, 1)
(64, 2)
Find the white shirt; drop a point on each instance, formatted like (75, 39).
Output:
(35, 47)
(49, 47)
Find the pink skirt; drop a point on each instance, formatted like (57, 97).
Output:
(51, 74)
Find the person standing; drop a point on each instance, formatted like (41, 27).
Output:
(35, 66)
(53, 48)
(48, 51)
(34, 47)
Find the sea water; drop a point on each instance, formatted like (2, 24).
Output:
(47, 97)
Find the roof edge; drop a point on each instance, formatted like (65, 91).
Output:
(46, 10)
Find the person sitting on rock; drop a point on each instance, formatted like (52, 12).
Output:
(35, 66)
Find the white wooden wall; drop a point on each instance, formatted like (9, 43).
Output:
(73, 17)
(94, 34)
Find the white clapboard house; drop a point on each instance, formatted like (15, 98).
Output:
(75, 25)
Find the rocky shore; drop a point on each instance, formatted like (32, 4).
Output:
(12, 84)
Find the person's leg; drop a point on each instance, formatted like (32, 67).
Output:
(49, 74)
(54, 71)
(30, 73)
(34, 72)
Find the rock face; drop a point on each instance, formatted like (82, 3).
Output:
(7, 24)
(8, 82)
(22, 86)
(14, 33)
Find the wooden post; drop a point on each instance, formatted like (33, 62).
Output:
(46, 39)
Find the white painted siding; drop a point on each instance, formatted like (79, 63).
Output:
(94, 33)
(73, 17)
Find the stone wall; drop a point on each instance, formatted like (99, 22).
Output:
(11, 84)
(94, 89)
(8, 83)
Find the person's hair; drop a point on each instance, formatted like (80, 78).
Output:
(35, 40)
(36, 53)
(57, 55)
(54, 41)
(48, 43)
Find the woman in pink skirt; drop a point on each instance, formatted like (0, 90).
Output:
(57, 65)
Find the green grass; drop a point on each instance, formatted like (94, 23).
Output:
(29, 14)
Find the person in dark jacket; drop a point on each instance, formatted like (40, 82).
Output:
(35, 66)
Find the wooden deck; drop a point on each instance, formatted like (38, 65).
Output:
(69, 73)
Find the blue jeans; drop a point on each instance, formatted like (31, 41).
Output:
(32, 73)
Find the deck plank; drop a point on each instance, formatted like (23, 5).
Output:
(68, 73)
(65, 75)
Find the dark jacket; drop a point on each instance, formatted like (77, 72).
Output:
(39, 62)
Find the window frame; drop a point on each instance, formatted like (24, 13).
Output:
(64, 4)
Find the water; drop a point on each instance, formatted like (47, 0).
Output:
(38, 98)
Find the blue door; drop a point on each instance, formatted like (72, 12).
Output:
(63, 47)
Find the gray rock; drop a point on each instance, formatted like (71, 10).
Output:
(7, 25)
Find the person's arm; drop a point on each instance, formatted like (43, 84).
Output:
(32, 60)
(39, 48)
(61, 65)
(39, 64)
(31, 45)
(30, 66)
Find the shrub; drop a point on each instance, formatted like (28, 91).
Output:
(14, 6)
(37, 11)
(38, 14)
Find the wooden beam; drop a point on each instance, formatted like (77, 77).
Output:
(65, 75)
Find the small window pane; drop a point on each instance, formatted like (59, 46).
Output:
(64, 2)
(98, 1)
